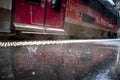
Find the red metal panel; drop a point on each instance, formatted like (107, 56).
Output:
(29, 14)
(55, 19)
(73, 10)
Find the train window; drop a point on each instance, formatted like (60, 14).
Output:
(87, 18)
(85, 1)
(33, 2)
(56, 5)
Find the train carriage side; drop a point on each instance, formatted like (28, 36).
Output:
(93, 18)
(76, 18)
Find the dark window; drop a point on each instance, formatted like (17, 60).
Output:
(33, 2)
(56, 5)
(87, 18)
(85, 1)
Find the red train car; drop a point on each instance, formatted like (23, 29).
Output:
(82, 18)
(77, 17)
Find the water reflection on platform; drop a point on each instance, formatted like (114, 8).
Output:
(67, 61)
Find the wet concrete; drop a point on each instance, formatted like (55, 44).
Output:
(74, 61)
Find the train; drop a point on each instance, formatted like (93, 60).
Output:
(76, 18)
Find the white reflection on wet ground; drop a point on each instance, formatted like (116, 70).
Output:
(103, 75)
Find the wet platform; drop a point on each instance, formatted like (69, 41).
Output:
(60, 60)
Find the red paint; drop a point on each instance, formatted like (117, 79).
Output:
(55, 19)
(73, 10)
(29, 14)
(35, 15)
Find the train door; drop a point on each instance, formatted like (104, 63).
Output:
(29, 12)
(40, 14)
(55, 14)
